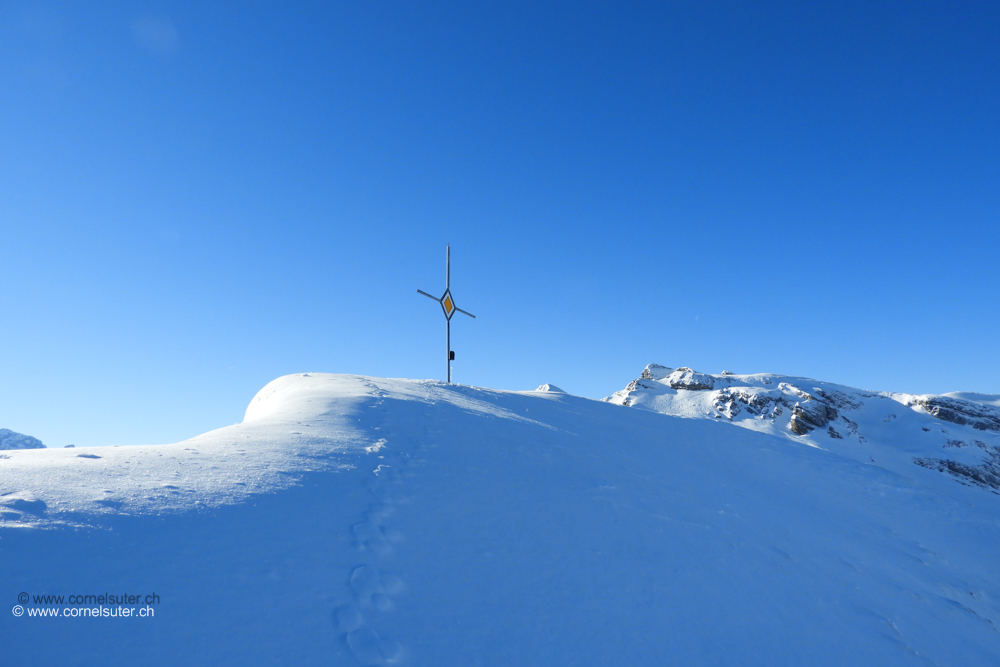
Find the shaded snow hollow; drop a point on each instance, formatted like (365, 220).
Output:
(354, 520)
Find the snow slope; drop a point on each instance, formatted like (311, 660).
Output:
(353, 520)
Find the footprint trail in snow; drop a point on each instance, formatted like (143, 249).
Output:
(372, 587)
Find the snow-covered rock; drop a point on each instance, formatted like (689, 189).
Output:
(11, 440)
(959, 411)
(957, 433)
(550, 387)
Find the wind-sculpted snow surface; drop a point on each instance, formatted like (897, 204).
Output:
(958, 434)
(363, 521)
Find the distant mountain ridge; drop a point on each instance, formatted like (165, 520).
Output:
(12, 440)
(956, 433)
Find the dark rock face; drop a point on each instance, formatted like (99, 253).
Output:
(731, 401)
(656, 372)
(839, 399)
(853, 429)
(961, 412)
(798, 426)
(811, 414)
(638, 384)
(985, 475)
(685, 378)
(11, 440)
(960, 443)
(680, 378)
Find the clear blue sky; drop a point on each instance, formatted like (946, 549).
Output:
(196, 198)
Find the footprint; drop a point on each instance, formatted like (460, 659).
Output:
(391, 650)
(380, 511)
(381, 492)
(370, 535)
(364, 643)
(371, 538)
(392, 584)
(370, 649)
(366, 582)
(347, 618)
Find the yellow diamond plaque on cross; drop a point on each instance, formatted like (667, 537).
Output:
(448, 304)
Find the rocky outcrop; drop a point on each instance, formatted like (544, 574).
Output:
(833, 415)
(839, 399)
(732, 401)
(986, 475)
(11, 440)
(811, 414)
(960, 412)
(638, 384)
(656, 372)
(690, 380)
(679, 378)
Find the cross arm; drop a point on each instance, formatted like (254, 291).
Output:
(429, 296)
(465, 313)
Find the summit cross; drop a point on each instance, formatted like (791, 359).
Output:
(447, 302)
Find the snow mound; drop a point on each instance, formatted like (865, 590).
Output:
(550, 387)
(296, 424)
(11, 440)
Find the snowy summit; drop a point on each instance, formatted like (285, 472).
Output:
(353, 520)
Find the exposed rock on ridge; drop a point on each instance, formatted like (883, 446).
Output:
(12, 440)
(960, 412)
(811, 414)
(914, 428)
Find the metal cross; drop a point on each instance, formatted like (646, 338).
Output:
(447, 302)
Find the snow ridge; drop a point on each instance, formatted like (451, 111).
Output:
(353, 520)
